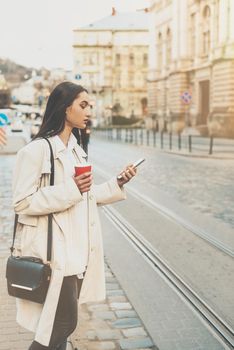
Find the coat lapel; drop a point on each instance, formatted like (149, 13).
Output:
(80, 153)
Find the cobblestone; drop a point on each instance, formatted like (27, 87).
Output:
(117, 299)
(126, 323)
(104, 315)
(107, 334)
(125, 313)
(112, 286)
(120, 306)
(114, 292)
(126, 344)
(134, 332)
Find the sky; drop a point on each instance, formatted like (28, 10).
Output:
(38, 33)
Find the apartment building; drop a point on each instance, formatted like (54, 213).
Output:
(191, 65)
(111, 60)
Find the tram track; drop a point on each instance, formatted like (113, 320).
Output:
(186, 224)
(198, 231)
(215, 323)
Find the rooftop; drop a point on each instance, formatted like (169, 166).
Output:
(120, 21)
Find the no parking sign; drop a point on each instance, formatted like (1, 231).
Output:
(186, 97)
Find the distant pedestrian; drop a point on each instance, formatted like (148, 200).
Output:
(85, 135)
(3, 138)
(77, 256)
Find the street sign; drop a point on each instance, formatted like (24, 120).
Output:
(4, 120)
(78, 76)
(186, 97)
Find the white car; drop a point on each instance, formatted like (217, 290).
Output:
(17, 125)
(17, 137)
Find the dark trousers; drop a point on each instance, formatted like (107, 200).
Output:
(66, 315)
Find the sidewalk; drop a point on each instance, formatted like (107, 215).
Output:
(199, 147)
(109, 325)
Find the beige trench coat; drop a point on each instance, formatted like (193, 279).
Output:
(33, 199)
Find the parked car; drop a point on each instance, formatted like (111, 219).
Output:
(17, 125)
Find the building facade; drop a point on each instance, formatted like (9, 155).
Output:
(111, 60)
(191, 65)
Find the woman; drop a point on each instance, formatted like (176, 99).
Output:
(77, 243)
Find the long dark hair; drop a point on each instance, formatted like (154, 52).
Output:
(59, 100)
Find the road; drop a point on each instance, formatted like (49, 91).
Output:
(203, 184)
(195, 189)
(173, 182)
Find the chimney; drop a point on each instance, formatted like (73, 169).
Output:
(146, 9)
(113, 11)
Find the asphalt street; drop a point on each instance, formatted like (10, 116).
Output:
(206, 185)
(191, 195)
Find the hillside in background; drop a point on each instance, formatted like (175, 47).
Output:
(14, 73)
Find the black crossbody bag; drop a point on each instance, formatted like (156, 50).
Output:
(29, 277)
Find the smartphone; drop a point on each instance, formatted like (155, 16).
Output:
(135, 165)
(138, 162)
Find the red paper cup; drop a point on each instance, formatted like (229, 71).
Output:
(82, 168)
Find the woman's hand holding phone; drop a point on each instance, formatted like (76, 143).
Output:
(130, 171)
(126, 175)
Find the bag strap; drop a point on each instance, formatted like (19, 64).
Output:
(50, 216)
(14, 231)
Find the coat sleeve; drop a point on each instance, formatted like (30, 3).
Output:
(108, 192)
(28, 197)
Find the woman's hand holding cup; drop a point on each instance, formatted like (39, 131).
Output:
(83, 177)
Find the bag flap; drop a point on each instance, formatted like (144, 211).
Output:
(26, 271)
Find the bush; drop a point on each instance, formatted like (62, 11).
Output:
(120, 120)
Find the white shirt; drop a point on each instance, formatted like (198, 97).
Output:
(78, 235)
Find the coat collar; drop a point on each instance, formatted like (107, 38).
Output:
(72, 144)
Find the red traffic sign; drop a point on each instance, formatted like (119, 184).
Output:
(186, 97)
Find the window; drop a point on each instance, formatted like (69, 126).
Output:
(145, 60)
(85, 58)
(192, 34)
(131, 59)
(92, 58)
(131, 79)
(117, 59)
(206, 31)
(159, 51)
(168, 45)
(118, 80)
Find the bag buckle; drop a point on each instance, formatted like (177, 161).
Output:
(21, 287)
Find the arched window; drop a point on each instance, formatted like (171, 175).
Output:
(145, 60)
(168, 46)
(193, 35)
(206, 30)
(117, 59)
(131, 59)
(160, 51)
